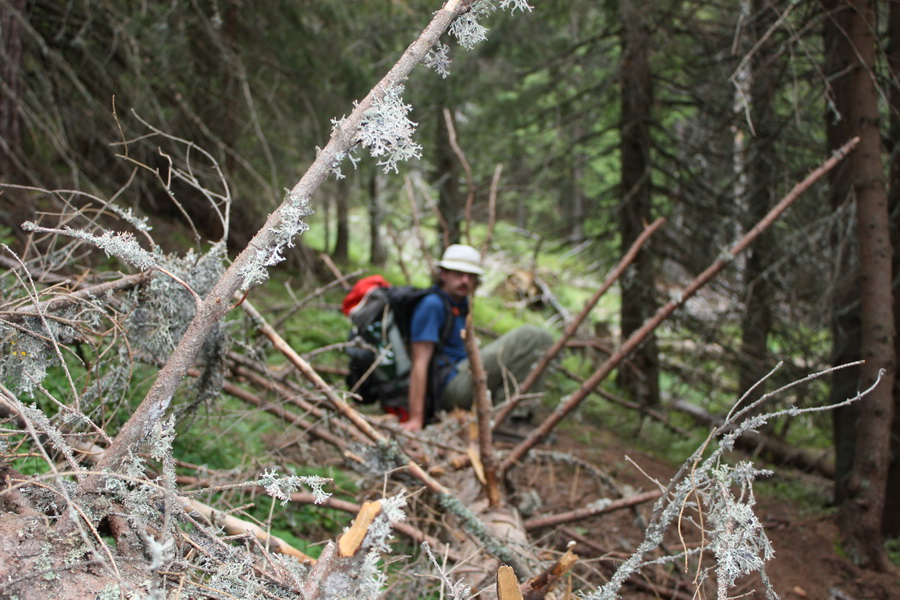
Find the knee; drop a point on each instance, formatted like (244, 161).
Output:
(535, 336)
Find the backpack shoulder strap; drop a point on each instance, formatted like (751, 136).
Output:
(447, 327)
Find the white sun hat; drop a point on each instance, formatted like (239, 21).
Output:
(463, 258)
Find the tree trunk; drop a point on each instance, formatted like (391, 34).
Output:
(891, 522)
(342, 225)
(845, 317)
(575, 201)
(10, 74)
(860, 513)
(230, 125)
(450, 197)
(641, 378)
(758, 198)
(377, 253)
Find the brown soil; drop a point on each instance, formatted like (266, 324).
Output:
(807, 562)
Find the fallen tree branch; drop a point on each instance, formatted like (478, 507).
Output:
(285, 415)
(470, 521)
(572, 327)
(538, 587)
(594, 509)
(636, 338)
(218, 301)
(306, 498)
(63, 301)
(635, 406)
(483, 414)
(670, 590)
(235, 526)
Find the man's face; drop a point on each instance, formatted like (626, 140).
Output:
(457, 284)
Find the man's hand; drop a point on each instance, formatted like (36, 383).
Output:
(413, 425)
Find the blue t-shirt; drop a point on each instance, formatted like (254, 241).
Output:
(428, 321)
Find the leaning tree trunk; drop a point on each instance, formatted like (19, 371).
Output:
(640, 377)
(861, 511)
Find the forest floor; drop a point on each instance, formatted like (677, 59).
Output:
(807, 563)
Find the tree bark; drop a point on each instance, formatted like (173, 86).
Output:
(450, 197)
(757, 199)
(638, 289)
(891, 522)
(377, 252)
(845, 317)
(10, 75)
(860, 513)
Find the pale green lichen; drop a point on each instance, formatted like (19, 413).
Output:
(281, 488)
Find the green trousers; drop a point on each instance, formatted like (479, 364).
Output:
(507, 361)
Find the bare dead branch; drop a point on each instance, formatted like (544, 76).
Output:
(555, 349)
(417, 225)
(492, 210)
(470, 181)
(629, 345)
(597, 508)
(340, 277)
(483, 412)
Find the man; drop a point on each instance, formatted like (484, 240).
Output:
(512, 355)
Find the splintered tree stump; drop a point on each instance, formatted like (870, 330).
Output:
(507, 584)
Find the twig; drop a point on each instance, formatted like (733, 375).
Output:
(400, 260)
(596, 508)
(417, 225)
(38, 274)
(233, 526)
(284, 415)
(340, 281)
(124, 283)
(470, 181)
(340, 277)
(483, 412)
(492, 210)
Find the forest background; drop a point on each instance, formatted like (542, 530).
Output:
(559, 138)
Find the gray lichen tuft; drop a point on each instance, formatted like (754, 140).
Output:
(438, 58)
(281, 488)
(291, 224)
(387, 131)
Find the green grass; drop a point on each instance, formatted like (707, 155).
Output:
(892, 546)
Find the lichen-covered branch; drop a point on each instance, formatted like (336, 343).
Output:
(265, 248)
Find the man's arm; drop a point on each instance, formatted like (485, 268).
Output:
(418, 384)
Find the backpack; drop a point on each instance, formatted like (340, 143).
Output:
(380, 361)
